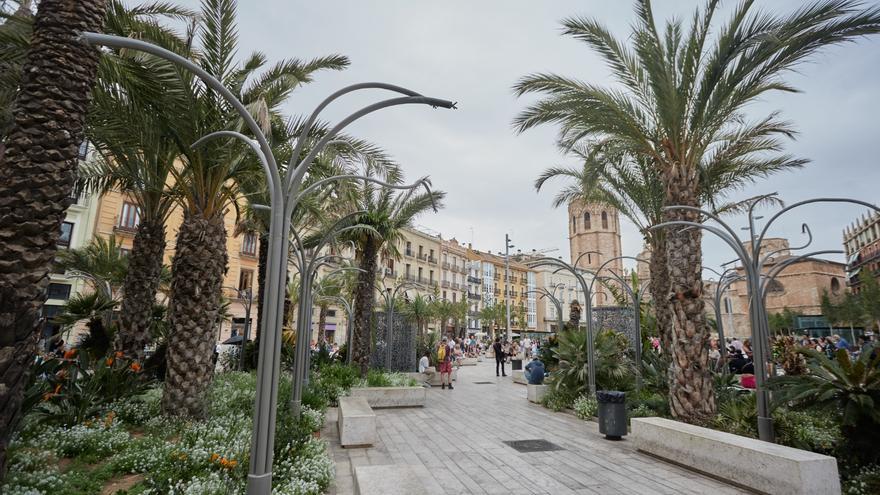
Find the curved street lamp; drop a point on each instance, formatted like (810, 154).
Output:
(577, 273)
(752, 262)
(284, 193)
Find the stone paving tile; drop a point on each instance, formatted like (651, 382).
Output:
(455, 445)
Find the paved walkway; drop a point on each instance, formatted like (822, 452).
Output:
(455, 445)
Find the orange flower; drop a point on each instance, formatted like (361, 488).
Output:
(118, 354)
(232, 463)
(135, 367)
(61, 375)
(214, 457)
(109, 361)
(70, 354)
(47, 396)
(57, 388)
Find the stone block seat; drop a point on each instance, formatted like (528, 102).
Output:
(519, 377)
(536, 392)
(432, 379)
(357, 422)
(387, 480)
(759, 466)
(468, 361)
(392, 396)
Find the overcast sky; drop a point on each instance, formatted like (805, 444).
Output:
(473, 52)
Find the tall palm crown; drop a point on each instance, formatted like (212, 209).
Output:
(680, 105)
(384, 213)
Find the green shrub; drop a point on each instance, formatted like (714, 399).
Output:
(614, 369)
(557, 400)
(585, 407)
(377, 378)
(864, 481)
(642, 411)
(807, 430)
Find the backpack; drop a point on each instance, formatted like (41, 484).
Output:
(441, 354)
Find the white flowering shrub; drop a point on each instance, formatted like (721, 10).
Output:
(138, 410)
(307, 469)
(92, 441)
(312, 420)
(585, 407)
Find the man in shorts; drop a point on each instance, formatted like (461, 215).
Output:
(444, 363)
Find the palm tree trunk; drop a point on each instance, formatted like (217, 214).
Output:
(197, 277)
(660, 289)
(365, 299)
(691, 394)
(322, 321)
(37, 171)
(140, 287)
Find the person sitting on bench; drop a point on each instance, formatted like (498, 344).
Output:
(534, 372)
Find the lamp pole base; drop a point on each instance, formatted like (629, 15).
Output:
(259, 484)
(765, 429)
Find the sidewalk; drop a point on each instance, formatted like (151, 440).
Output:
(455, 443)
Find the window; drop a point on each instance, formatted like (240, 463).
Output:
(408, 248)
(83, 151)
(728, 308)
(245, 279)
(407, 269)
(453, 297)
(390, 264)
(420, 273)
(573, 224)
(331, 313)
(587, 221)
(604, 220)
(444, 294)
(124, 251)
(249, 244)
(58, 291)
(775, 287)
(66, 234)
(130, 216)
(431, 276)
(835, 286)
(589, 258)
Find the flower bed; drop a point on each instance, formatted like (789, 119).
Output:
(174, 456)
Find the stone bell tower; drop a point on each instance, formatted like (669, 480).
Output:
(595, 227)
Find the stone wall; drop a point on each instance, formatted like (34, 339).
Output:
(617, 318)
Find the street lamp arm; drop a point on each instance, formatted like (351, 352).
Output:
(273, 176)
(253, 144)
(805, 229)
(296, 177)
(810, 201)
(330, 99)
(578, 260)
(335, 178)
(728, 236)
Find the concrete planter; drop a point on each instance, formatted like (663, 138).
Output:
(392, 396)
(468, 361)
(759, 466)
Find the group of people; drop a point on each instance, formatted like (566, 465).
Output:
(504, 351)
(448, 351)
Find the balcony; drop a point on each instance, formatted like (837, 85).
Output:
(410, 277)
(390, 273)
(432, 260)
(409, 253)
(473, 280)
(446, 265)
(474, 297)
(462, 269)
(445, 284)
(496, 276)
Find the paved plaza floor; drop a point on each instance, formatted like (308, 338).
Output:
(455, 445)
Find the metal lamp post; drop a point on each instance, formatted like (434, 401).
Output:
(507, 246)
(284, 193)
(551, 296)
(753, 264)
(577, 273)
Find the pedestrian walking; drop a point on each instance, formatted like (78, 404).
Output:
(499, 356)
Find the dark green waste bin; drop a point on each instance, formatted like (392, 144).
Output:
(612, 413)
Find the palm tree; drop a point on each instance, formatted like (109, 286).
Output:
(37, 166)
(443, 310)
(420, 310)
(385, 213)
(101, 263)
(681, 107)
(491, 314)
(208, 185)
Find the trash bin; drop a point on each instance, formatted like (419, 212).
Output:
(516, 364)
(612, 413)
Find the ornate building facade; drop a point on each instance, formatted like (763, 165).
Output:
(594, 238)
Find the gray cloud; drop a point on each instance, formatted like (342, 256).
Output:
(473, 52)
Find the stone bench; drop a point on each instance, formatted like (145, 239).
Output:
(760, 466)
(356, 422)
(536, 392)
(387, 480)
(392, 396)
(468, 361)
(519, 377)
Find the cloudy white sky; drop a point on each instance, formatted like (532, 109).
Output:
(474, 51)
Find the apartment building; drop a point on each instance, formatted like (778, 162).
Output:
(861, 243)
(517, 288)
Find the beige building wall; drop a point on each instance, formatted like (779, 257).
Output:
(242, 264)
(594, 238)
(566, 289)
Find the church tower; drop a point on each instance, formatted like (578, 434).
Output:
(594, 228)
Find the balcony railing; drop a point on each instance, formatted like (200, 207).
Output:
(446, 265)
(473, 280)
(409, 253)
(410, 277)
(432, 260)
(445, 284)
(475, 297)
